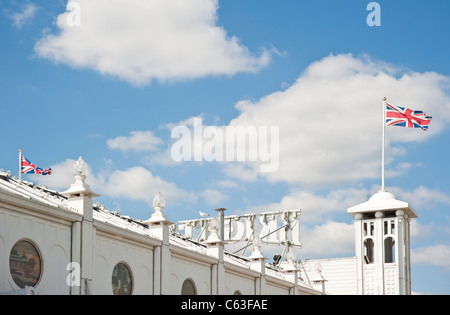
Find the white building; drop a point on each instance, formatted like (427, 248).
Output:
(63, 243)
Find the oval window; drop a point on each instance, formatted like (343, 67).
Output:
(25, 264)
(122, 282)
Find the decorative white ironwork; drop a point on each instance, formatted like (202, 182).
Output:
(275, 228)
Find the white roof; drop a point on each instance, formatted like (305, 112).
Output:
(31, 191)
(383, 201)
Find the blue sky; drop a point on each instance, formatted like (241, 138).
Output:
(112, 88)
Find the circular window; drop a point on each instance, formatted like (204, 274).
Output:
(25, 264)
(122, 282)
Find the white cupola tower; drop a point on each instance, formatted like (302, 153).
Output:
(382, 240)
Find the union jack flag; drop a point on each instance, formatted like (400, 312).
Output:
(405, 117)
(30, 168)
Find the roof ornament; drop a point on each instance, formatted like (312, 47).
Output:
(79, 195)
(214, 230)
(256, 253)
(80, 167)
(291, 264)
(159, 202)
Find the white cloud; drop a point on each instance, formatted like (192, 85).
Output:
(138, 183)
(316, 207)
(139, 41)
(225, 184)
(161, 158)
(330, 119)
(240, 171)
(422, 231)
(436, 255)
(422, 197)
(331, 239)
(213, 197)
(61, 177)
(138, 141)
(27, 13)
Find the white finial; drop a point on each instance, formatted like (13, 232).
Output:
(291, 265)
(80, 167)
(257, 243)
(80, 196)
(256, 253)
(159, 202)
(213, 227)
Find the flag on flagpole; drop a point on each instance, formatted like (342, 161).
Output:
(405, 117)
(29, 168)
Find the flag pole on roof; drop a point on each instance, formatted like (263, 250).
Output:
(402, 117)
(383, 144)
(20, 165)
(26, 167)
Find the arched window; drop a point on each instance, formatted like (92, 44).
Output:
(122, 280)
(25, 264)
(389, 250)
(369, 253)
(237, 292)
(188, 288)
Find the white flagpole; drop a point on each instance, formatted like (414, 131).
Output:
(20, 165)
(383, 145)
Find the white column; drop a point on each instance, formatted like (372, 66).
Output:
(359, 250)
(76, 252)
(258, 263)
(158, 227)
(161, 257)
(408, 256)
(379, 252)
(215, 248)
(80, 198)
(157, 270)
(400, 252)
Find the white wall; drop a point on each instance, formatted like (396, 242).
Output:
(52, 240)
(109, 252)
(273, 288)
(183, 268)
(239, 282)
(340, 274)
